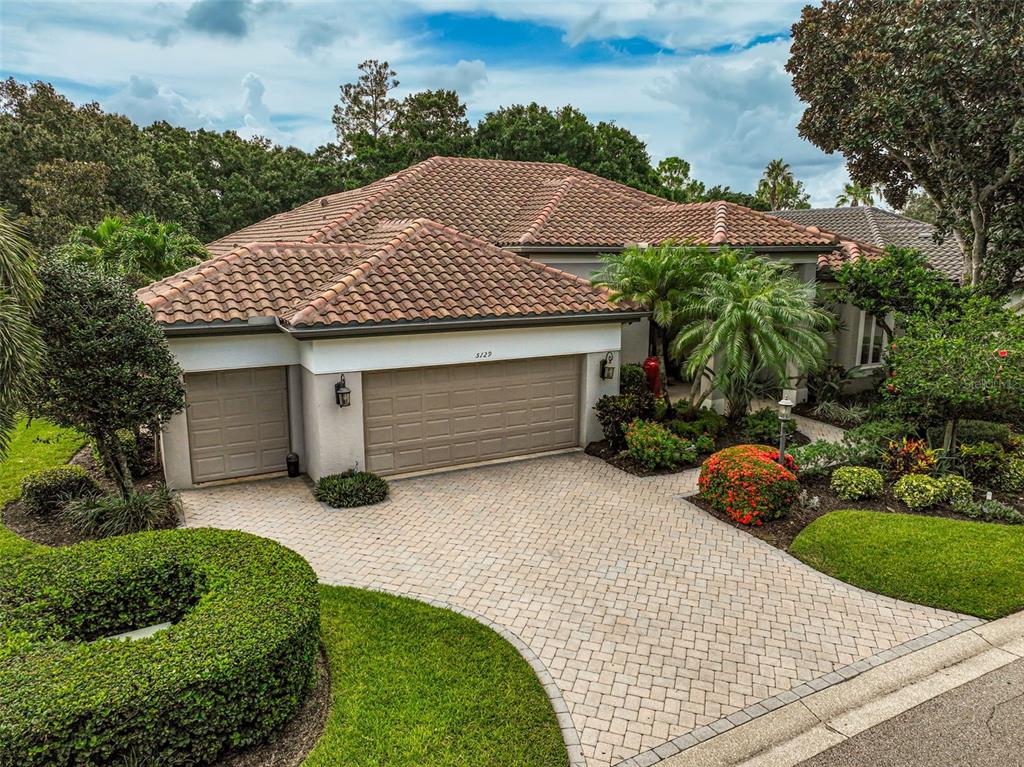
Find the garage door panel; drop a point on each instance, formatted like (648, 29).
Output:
(237, 422)
(467, 413)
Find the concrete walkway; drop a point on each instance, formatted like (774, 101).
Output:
(660, 625)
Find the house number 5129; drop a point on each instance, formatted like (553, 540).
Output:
(483, 355)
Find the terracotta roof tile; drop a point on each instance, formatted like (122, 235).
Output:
(403, 271)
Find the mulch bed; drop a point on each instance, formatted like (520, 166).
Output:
(52, 531)
(781, 532)
(733, 435)
(292, 745)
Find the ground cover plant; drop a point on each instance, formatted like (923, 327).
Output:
(351, 488)
(968, 567)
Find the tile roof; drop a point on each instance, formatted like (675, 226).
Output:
(512, 203)
(404, 271)
(883, 227)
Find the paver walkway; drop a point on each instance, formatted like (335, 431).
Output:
(653, 617)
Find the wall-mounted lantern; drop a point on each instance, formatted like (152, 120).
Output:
(342, 394)
(608, 367)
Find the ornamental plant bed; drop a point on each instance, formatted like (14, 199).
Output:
(781, 532)
(51, 530)
(733, 435)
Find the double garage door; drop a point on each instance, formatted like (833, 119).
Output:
(424, 418)
(237, 422)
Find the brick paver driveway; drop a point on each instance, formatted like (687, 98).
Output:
(653, 617)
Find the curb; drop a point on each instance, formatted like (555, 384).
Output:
(814, 722)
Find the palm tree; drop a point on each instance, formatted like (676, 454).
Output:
(140, 250)
(657, 279)
(20, 346)
(749, 316)
(779, 189)
(853, 195)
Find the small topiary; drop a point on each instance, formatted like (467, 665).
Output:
(654, 447)
(616, 411)
(113, 515)
(854, 483)
(352, 488)
(747, 483)
(763, 426)
(983, 462)
(46, 492)
(919, 491)
(633, 380)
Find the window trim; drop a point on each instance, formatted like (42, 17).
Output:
(860, 340)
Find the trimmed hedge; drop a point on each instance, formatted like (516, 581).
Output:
(351, 488)
(235, 665)
(747, 483)
(45, 492)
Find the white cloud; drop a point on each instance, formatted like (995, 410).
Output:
(464, 77)
(146, 102)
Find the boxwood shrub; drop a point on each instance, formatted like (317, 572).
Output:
(854, 483)
(747, 483)
(45, 492)
(919, 491)
(351, 488)
(234, 666)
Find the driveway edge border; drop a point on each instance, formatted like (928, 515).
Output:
(794, 696)
(570, 736)
(814, 722)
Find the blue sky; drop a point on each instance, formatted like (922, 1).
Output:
(700, 79)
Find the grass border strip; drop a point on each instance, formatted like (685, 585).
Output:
(570, 736)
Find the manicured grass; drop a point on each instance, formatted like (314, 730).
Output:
(417, 685)
(970, 567)
(34, 446)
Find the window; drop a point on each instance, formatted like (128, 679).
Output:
(872, 340)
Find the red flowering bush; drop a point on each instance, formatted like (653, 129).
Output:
(748, 484)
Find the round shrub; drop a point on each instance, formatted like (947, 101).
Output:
(957, 491)
(746, 483)
(352, 488)
(633, 380)
(234, 667)
(46, 492)
(655, 447)
(854, 483)
(919, 491)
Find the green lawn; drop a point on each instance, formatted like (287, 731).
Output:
(416, 685)
(34, 446)
(970, 567)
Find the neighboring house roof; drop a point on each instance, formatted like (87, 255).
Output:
(403, 272)
(341, 260)
(881, 228)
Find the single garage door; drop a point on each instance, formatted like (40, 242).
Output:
(423, 418)
(237, 422)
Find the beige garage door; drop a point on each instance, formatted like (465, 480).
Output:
(424, 418)
(237, 422)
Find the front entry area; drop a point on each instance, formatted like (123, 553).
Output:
(426, 418)
(237, 422)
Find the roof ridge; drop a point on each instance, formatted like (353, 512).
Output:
(720, 229)
(201, 272)
(357, 274)
(873, 223)
(395, 179)
(563, 186)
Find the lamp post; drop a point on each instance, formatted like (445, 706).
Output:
(785, 413)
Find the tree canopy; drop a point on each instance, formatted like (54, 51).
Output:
(106, 364)
(921, 94)
(779, 189)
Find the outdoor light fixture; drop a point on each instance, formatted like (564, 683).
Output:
(342, 394)
(608, 367)
(785, 413)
